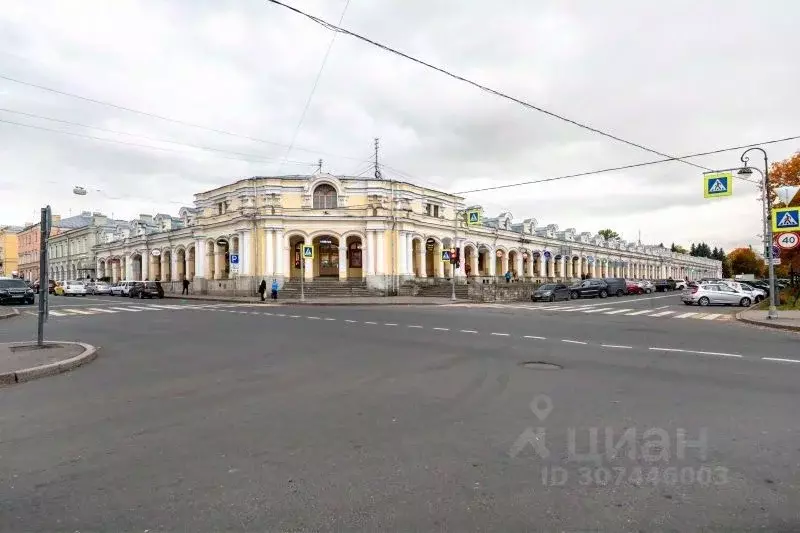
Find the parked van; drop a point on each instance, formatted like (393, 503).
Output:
(616, 286)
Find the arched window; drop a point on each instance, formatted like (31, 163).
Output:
(324, 197)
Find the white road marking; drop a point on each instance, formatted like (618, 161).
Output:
(680, 350)
(292, 316)
(665, 349)
(573, 342)
(779, 359)
(254, 313)
(54, 313)
(639, 312)
(126, 309)
(281, 314)
(268, 314)
(468, 331)
(441, 329)
(685, 315)
(663, 313)
(413, 326)
(330, 319)
(78, 311)
(657, 308)
(598, 309)
(710, 316)
(318, 318)
(351, 321)
(162, 306)
(616, 346)
(615, 311)
(99, 310)
(534, 337)
(370, 322)
(500, 334)
(389, 324)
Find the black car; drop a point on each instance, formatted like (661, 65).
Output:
(664, 285)
(145, 289)
(15, 291)
(617, 286)
(551, 292)
(589, 289)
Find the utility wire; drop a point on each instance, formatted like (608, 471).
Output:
(161, 117)
(314, 87)
(634, 165)
(154, 139)
(92, 137)
(495, 92)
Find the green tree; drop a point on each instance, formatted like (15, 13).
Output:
(679, 249)
(744, 261)
(608, 234)
(693, 250)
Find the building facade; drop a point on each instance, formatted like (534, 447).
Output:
(71, 253)
(28, 242)
(380, 232)
(9, 252)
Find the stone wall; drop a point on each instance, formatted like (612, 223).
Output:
(501, 292)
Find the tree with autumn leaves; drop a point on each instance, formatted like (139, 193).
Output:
(745, 261)
(786, 173)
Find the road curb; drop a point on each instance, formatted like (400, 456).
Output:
(28, 374)
(318, 304)
(12, 313)
(766, 324)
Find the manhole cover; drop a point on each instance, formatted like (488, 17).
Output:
(541, 365)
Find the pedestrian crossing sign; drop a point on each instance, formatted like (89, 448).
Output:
(785, 219)
(446, 256)
(308, 251)
(717, 184)
(473, 217)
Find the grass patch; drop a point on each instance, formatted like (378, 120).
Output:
(788, 299)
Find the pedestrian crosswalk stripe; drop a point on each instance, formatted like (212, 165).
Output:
(57, 313)
(78, 311)
(129, 309)
(598, 309)
(639, 312)
(100, 310)
(711, 316)
(663, 313)
(616, 311)
(140, 307)
(685, 315)
(154, 306)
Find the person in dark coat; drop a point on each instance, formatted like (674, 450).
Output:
(185, 286)
(262, 289)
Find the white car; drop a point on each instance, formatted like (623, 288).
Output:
(680, 284)
(74, 288)
(101, 287)
(122, 288)
(756, 294)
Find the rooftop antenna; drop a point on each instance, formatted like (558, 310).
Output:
(319, 166)
(377, 165)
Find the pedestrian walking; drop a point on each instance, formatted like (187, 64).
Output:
(185, 286)
(262, 289)
(274, 289)
(508, 276)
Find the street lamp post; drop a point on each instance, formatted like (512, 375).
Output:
(767, 208)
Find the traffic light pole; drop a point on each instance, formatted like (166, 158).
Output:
(452, 258)
(44, 284)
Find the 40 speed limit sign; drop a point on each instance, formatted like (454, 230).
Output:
(788, 240)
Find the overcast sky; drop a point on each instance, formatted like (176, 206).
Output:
(680, 76)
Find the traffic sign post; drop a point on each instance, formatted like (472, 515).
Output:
(235, 263)
(788, 240)
(446, 256)
(307, 253)
(717, 184)
(473, 217)
(785, 219)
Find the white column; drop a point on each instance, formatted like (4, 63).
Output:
(492, 256)
(438, 264)
(423, 269)
(461, 270)
(343, 261)
(402, 263)
(200, 258)
(369, 253)
(279, 263)
(380, 267)
(592, 269)
(410, 254)
(568, 268)
(541, 272)
(561, 267)
(518, 260)
(173, 268)
(244, 253)
(219, 260)
(551, 267)
(145, 264)
(269, 252)
(504, 263)
(128, 269)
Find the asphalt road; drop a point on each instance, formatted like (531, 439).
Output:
(259, 418)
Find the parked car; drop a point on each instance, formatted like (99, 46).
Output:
(58, 290)
(680, 284)
(122, 288)
(100, 287)
(145, 289)
(716, 294)
(634, 287)
(51, 287)
(664, 285)
(755, 293)
(13, 290)
(647, 285)
(551, 292)
(74, 288)
(589, 289)
(616, 286)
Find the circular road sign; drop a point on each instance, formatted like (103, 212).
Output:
(788, 240)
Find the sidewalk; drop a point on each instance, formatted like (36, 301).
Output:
(788, 320)
(24, 361)
(355, 300)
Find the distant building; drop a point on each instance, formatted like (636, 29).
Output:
(377, 232)
(29, 240)
(9, 252)
(71, 253)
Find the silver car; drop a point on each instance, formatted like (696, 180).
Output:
(755, 293)
(100, 287)
(716, 294)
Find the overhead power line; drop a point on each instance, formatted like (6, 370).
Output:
(634, 165)
(92, 137)
(161, 117)
(314, 86)
(485, 88)
(154, 139)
